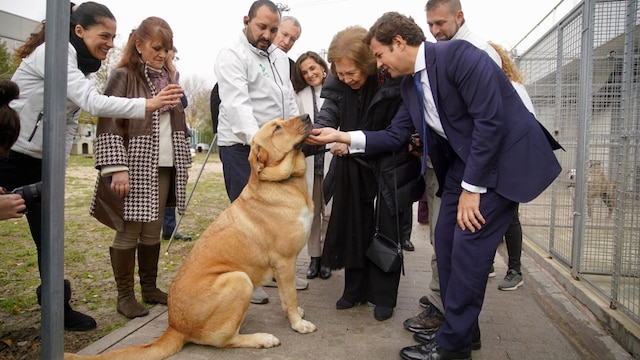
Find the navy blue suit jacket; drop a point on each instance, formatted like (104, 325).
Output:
(502, 144)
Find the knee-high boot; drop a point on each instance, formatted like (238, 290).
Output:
(148, 270)
(123, 262)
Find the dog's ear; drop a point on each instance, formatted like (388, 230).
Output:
(278, 170)
(257, 158)
(261, 158)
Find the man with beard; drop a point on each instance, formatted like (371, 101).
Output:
(254, 87)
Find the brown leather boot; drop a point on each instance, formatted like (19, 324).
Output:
(148, 271)
(123, 263)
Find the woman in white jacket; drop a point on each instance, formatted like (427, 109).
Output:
(91, 33)
(309, 74)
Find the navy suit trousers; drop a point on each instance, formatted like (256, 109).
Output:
(465, 258)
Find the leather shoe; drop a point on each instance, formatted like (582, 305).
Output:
(325, 272)
(314, 268)
(382, 313)
(426, 337)
(432, 351)
(407, 245)
(177, 236)
(429, 319)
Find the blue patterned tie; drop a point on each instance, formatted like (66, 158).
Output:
(423, 134)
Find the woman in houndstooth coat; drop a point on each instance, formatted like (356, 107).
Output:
(142, 165)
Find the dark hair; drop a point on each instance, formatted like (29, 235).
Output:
(150, 29)
(87, 15)
(9, 118)
(298, 80)
(391, 24)
(253, 10)
(349, 44)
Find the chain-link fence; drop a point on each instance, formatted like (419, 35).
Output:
(583, 79)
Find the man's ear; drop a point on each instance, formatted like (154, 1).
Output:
(398, 41)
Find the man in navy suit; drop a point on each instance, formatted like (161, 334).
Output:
(488, 151)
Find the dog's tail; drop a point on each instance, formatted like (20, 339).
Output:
(166, 345)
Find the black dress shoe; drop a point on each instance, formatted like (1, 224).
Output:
(407, 245)
(382, 313)
(325, 272)
(426, 337)
(177, 236)
(432, 351)
(314, 268)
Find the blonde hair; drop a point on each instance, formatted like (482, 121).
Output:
(349, 44)
(508, 66)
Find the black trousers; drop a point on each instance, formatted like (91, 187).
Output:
(17, 170)
(235, 168)
(513, 240)
(371, 283)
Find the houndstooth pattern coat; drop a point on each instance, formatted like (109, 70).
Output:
(134, 143)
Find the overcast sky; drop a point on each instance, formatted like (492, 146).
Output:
(202, 27)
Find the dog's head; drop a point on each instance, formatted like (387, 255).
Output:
(595, 166)
(276, 149)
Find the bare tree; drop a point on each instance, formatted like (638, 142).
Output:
(198, 112)
(100, 77)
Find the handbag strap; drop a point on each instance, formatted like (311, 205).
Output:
(395, 198)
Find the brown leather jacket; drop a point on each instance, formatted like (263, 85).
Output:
(134, 143)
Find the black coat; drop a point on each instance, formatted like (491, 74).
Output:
(354, 177)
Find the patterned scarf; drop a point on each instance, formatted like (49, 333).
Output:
(158, 80)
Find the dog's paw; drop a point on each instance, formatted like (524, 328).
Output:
(304, 327)
(266, 340)
(301, 312)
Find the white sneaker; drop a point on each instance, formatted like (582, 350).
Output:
(259, 296)
(301, 284)
(492, 272)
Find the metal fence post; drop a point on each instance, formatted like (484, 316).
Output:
(53, 169)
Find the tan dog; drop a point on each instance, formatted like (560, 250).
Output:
(256, 238)
(599, 187)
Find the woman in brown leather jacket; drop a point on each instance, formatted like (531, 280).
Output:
(142, 165)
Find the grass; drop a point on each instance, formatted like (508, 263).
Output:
(86, 258)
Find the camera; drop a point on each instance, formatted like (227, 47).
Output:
(30, 193)
(416, 143)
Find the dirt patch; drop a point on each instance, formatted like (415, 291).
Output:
(87, 264)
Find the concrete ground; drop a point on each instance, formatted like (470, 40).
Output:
(538, 321)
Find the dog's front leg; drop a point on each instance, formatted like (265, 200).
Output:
(287, 289)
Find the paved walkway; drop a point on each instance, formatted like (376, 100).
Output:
(538, 321)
